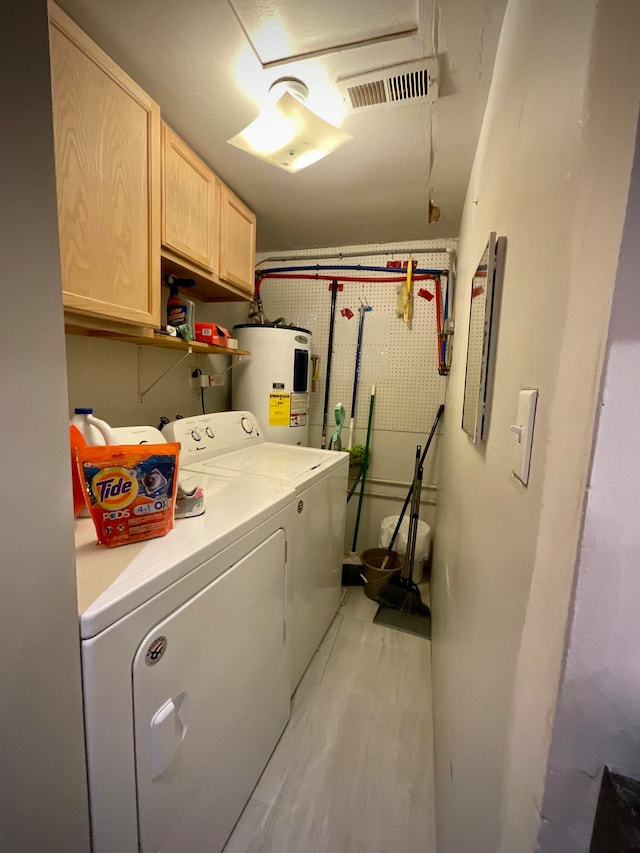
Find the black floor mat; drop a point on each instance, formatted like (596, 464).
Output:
(407, 622)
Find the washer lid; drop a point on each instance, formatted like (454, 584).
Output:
(112, 582)
(137, 435)
(284, 462)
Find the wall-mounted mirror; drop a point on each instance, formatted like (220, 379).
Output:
(483, 321)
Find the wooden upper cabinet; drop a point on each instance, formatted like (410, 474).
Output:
(107, 153)
(237, 241)
(190, 204)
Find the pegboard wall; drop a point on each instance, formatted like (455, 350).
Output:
(401, 360)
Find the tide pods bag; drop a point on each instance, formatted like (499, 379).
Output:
(130, 489)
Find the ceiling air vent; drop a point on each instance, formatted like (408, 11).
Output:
(392, 86)
(367, 94)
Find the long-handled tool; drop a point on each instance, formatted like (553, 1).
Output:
(410, 492)
(356, 376)
(413, 518)
(403, 593)
(334, 287)
(365, 466)
(401, 604)
(408, 584)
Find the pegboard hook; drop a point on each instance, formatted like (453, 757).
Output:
(364, 304)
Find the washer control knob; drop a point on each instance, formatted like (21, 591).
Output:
(210, 432)
(246, 425)
(195, 435)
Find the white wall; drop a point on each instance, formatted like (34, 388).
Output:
(104, 374)
(551, 174)
(43, 800)
(598, 715)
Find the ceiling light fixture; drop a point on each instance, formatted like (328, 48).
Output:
(287, 133)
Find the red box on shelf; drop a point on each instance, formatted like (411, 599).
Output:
(211, 333)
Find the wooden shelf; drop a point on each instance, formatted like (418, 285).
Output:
(165, 341)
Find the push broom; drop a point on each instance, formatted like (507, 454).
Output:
(401, 604)
(394, 536)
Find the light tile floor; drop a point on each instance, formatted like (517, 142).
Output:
(353, 771)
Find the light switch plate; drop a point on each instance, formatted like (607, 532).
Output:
(522, 431)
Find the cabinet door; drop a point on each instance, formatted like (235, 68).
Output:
(190, 204)
(237, 241)
(107, 152)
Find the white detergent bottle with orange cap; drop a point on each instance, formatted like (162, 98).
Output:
(94, 430)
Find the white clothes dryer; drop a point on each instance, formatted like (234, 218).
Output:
(233, 443)
(186, 673)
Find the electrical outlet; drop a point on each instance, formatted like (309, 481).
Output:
(197, 380)
(204, 380)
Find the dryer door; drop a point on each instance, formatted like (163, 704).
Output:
(211, 698)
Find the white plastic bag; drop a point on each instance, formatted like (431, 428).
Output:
(423, 536)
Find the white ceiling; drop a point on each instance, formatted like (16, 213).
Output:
(204, 62)
(307, 27)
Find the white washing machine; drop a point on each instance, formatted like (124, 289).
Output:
(186, 672)
(233, 443)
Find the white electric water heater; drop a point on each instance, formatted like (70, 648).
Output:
(275, 382)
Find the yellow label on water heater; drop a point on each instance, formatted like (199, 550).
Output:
(279, 409)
